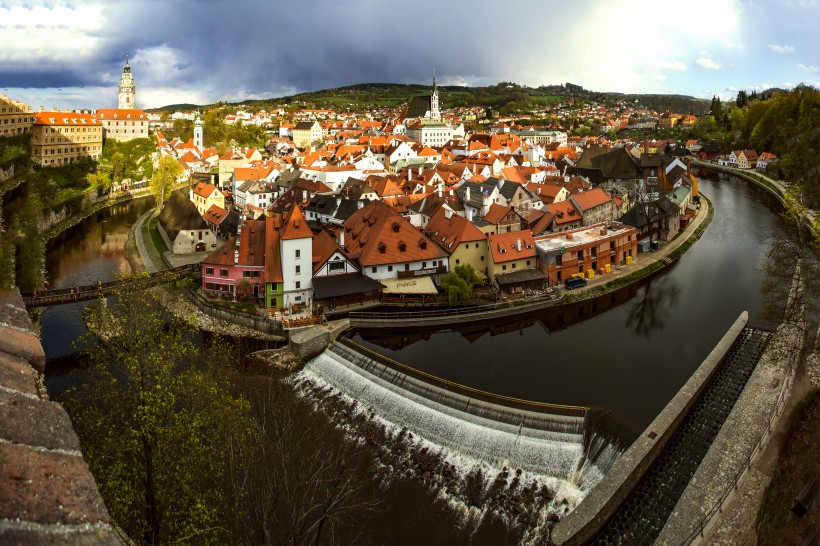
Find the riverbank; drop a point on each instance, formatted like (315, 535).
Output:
(136, 248)
(778, 188)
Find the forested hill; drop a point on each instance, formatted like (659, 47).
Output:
(786, 124)
(504, 97)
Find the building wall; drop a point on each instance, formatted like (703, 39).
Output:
(508, 267)
(125, 130)
(298, 286)
(473, 253)
(391, 271)
(54, 144)
(186, 240)
(15, 117)
(225, 278)
(595, 255)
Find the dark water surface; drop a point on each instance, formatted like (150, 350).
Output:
(630, 352)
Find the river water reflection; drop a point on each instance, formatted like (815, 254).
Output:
(629, 352)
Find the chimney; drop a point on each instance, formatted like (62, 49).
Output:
(304, 196)
(448, 213)
(467, 194)
(342, 237)
(360, 204)
(518, 245)
(469, 215)
(440, 191)
(566, 178)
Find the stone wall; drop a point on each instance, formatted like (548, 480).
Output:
(47, 493)
(583, 523)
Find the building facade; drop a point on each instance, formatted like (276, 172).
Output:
(59, 138)
(15, 117)
(123, 125)
(128, 91)
(586, 251)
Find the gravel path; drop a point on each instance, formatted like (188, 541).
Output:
(144, 254)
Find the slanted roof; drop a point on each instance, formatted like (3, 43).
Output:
(505, 246)
(450, 231)
(496, 213)
(590, 199)
(344, 285)
(295, 226)
(180, 213)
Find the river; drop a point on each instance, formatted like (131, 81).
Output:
(629, 355)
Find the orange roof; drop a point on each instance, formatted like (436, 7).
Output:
(256, 172)
(273, 256)
(204, 190)
(64, 118)
(564, 211)
(379, 235)
(251, 247)
(295, 226)
(590, 199)
(324, 247)
(505, 246)
(513, 175)
(496, 213)
(452, 231)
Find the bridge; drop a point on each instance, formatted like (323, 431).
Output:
(60, 296)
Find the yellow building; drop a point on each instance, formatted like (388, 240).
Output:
(205, 196)
(59, 138)
(464, 243)
(15, 117)
(306, 133)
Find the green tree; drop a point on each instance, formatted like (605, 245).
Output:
(459, 284)
(156, 424)
(31, 246)
(165, 175)
(117, 165)
(100, 180)
(7, 258)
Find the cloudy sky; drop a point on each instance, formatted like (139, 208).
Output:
(70, 53)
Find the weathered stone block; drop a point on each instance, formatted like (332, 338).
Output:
(47, 487)
(17, 374)
(309, 342)
(34, 422)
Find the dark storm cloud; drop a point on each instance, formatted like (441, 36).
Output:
(226, 48)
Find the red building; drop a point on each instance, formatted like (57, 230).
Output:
(587, 251)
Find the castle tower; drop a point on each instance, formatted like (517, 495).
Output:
(128, 92)
(434, 112)
(199, 138)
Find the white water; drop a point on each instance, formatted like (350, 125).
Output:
(554, 450)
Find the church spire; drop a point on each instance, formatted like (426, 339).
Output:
(434, 111)
(128, 91)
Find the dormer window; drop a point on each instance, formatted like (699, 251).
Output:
(422, 244)
(382, 248)
(402, 246)
(396, 227)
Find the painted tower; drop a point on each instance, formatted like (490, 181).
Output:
(128, 92)
(199, 139)
(434, 112)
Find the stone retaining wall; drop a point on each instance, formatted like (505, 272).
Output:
(589, 517)
(47, 493)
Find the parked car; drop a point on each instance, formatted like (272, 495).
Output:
(574, 282)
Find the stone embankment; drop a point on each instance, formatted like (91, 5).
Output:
(47, 493)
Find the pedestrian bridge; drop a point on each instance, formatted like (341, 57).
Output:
(59, 296)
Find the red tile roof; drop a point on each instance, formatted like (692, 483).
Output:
(295, 226)
(251, 247)
(204, 190)
(591, 198)
(376, 235)
(505, 246)
(451, 231)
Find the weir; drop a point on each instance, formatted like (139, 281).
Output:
(539, 438)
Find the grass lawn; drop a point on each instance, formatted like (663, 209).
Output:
(156, 238)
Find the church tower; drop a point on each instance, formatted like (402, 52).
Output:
(434, 112)
(128, 92)
(199, 139)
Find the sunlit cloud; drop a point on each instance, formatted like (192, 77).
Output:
(807, 68)
(707, 63)
(777, 48)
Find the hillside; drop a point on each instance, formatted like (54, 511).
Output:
(505, 97)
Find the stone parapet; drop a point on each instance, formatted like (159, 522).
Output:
(47, 493)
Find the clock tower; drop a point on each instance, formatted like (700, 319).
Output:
(128, 92)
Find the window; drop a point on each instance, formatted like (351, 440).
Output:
(336, 266)
(255, 273)
(374, 270)
(513, 265)
(298, 285)
(580, 255)
(209, 270)
(298, 269)
(482, 258)
(528, 262)
(298, 254)
(424, 265)
(503, 267)
(246, 274)
(223, 272)
(458, 261)
(389, 268)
